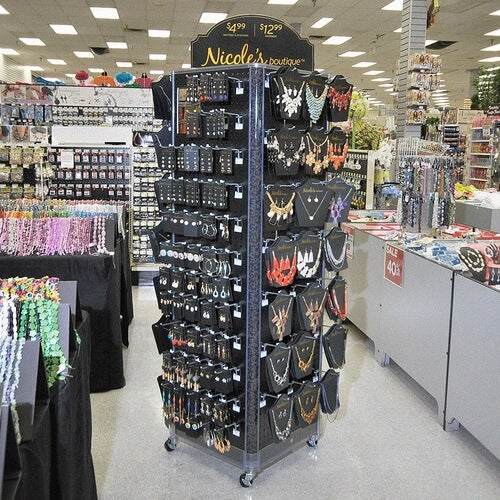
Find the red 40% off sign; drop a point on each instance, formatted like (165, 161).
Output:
(394, 264)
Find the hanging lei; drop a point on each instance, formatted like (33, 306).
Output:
(315, 103)
(315, 157)
(337, 154)
(291, 104)
(339, 100)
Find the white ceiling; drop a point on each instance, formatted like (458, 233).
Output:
(371, 29)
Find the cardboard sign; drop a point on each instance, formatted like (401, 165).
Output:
(394, 264)
(252, 39)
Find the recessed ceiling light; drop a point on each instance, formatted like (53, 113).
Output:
(157, 72)
(57, 62)
(124, 64)
(159, 33)
(490, 59)
(282, 2)
(494, 68)
(496, 13)
(319, 70)
(389, 90)
(157, 57)
(64, 29)
(351, 53)
(9, 52)
(117, 45)
(31, 68)
(430, 42)
(186, 66)
(373, 72)
(492, 48)
(394, 5)
(3, 11)
(70, 75)
(212, 17)
(493, 33)
(399, 30)
(322, 22)
(385, 85)
(32, 41)
(393, 93)
(364, 64)
(336, 40)
(83, 54)
(443, 85)
(104, 12)
(96, 70)
(381, 79)
(378, 104)
(372, 98)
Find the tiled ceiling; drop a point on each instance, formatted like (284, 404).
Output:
(371, 29)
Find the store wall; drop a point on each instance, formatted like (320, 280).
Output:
(10, 72)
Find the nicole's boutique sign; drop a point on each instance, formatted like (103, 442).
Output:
(252, 39)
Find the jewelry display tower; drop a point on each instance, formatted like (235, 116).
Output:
(234, 245)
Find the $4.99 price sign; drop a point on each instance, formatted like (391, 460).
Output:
(394, 264)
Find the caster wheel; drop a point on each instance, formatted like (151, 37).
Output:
(169, 445)
(246, 480)
(312, 442)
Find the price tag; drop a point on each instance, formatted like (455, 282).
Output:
(237, 314)
(263, 403)
(238, 160)
(238, 125)
(237, 288)
(236, 407)
(237, 345)
(240, 90)
(266, 83)
(265, 302)
(237, 262)
(238, 228)
(221, 227)
(263, 353)
(394, 264)
(238, 195)
(236, 376)
(236, 432)
(315, 378)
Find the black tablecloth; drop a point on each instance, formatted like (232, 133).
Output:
(57, 463)
(103, 292)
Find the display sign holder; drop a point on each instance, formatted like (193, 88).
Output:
(394, 264)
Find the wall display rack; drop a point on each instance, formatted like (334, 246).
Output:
(243, 292)
(483, 144)
(359, 170)
(144, 214)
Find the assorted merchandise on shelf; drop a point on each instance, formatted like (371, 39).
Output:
(144, 214)
(427, 189)
(242, 291)
(359, 171)
(483, 144)
(423, 77)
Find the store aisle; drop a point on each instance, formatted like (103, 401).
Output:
(385, 442)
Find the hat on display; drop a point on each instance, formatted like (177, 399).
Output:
(144, 81)
(124, 78)
(103, 80)
(82, 78)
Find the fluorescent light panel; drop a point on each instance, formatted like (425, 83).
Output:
(385, 85)
(495, 13)
(351, 53)
(381, 79)
(64, 29)
(124, 64)
(282, 2)
(394, 5)
(31, 68)
(159, 33)
(490, 59)
(9, 52)
(373, 72)
(212, 17)
(336, 40)
(364, 64)
(57, 62)
(157, 72)
(319, 70)
(96, 70)
(493, 33)
(399, 30)
(389, 90)
(70, 75)
(430, 42)
(104, 12)
(157, 57)
(492, 48)
(117, 45)
(32, 41)
(322, 22)
(186, 66)
(83, 54)
(3, 11)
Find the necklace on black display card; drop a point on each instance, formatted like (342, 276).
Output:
(304, 355)
(306, 403)
(316, 91)
(315, 157)
(309, 254)
(341, 201)
(281, 262)
(335, 243)
(339, 96)
(281, 418)
(280, 316)
(337, 149)
(336, 300)
(330, 392)
(334, 346)
(278, 207)
(284, 150)
(310, 304)
(312, 202)
(278, 368)
(288, 88)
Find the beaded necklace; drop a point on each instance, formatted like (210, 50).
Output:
(315, 103)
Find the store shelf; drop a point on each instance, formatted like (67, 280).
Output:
(481, 154)
(480, 140)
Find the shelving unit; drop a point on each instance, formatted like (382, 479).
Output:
(481, 153)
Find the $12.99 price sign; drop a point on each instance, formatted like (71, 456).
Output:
(394, 264)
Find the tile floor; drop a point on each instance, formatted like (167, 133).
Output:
(385, 443)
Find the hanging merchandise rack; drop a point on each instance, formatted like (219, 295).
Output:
(242, 291)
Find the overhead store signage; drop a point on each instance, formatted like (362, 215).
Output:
(394, 263)
(252, 39)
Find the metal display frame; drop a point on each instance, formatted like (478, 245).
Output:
(253, 457)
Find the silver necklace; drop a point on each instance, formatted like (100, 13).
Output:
(282, 434)
(290, 103)
(336, 262)
(280, 379)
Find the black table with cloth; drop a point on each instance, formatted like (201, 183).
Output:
(57, 462)
(104, 291)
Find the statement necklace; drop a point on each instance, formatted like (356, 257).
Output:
(315, 103)
(337, 155)
(282, 434)
(280, 319)
(280, 379)
(315, 158)
(305, 365)
(308, 416)
(281, 211)
(290, 103)
(332, 259)
(339, 100)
